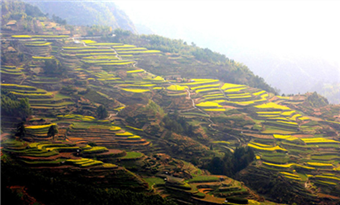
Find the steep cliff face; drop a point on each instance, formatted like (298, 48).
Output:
(87, 13)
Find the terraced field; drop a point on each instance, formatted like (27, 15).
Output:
(158, 127)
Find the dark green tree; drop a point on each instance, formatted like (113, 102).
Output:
(24, 108)
(21, 130)
(52, 131)
(53, 67)
(102, 112)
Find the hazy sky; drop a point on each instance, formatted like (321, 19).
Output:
(284, 27)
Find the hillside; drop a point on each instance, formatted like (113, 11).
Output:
(89, 119)
(87, 13)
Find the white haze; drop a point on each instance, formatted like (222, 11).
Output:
(298, 28)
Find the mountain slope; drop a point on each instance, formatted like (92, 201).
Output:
(87, 13)
(86, 121)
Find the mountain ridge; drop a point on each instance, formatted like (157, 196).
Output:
(87, 13)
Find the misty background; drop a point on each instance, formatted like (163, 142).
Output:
(293, 45)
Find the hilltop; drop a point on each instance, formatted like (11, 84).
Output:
(141, 119)
(87, 13)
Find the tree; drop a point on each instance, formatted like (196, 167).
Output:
(53, 67)
(24, 108)
(102, 112)
(21, 130)
(52, 131)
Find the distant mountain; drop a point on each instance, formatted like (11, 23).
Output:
(295, 74)
(142, 29)
(87, 13)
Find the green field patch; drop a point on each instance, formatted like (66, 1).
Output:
(207, 90)
(50, 36)
(21, 36)
(130, 49)
(18, 87)
(320, 182)
(325, 157)
(43, 57)
(272, 105)
(134, 128)
(135, 71)
(277, 159)
(278, 165)
(327, 177)
(74, 47)
(283, 97)
(213, 95)
(105, 44)
(295, 116)
(101, 61)
(238, 94)
(16, 72)
(221, 142)
(266, 147)
(152, 181)
(89, 41)
(244, 103)
(319, 164)
(276, 113)
(198, 179)
(214, 98)
(124, 46)
(240, 97)
(288, 113)
(100, 57)
(176, 88)
(208, 104)
(38, 44)
(233, 90)
(43, 163)
(285, 137)
(88, 50)
(94, 54)
(134, 137)
(118, 63)
(96, 149)
(215, 109)
(36, 127)
(205, 86)
(304, 118)
(109, 165)
(231, 85)
(286, 122)
(84, 162)
(115, 128)
(199, 82)
(133, 155)
(124, 134)
(291, 175)
(319, 140)
(135, 90)
(138, 52)
(54, 105)
(259, 93)
(77, 117)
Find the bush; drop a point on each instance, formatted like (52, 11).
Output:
(237, 200)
